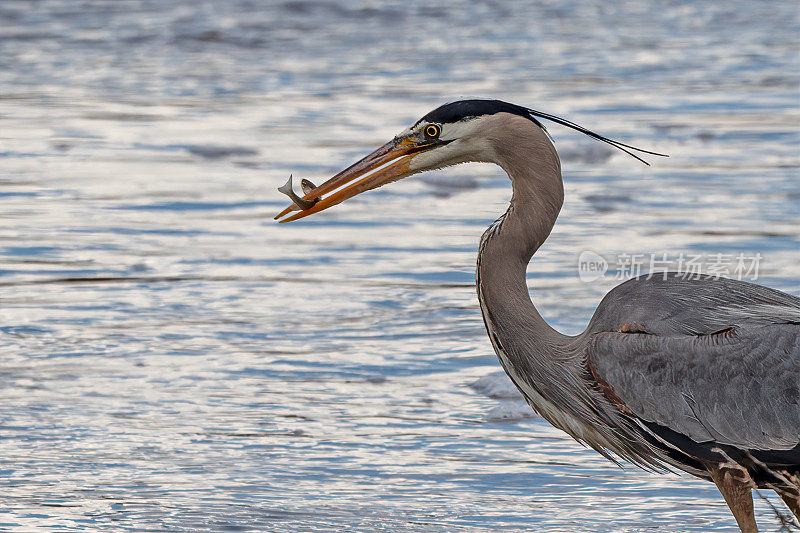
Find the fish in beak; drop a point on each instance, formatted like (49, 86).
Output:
(388, 163)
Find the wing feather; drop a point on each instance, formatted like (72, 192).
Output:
(741, 388)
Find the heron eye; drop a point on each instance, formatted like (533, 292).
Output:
(431, 131)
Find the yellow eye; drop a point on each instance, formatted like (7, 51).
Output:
(431, 131)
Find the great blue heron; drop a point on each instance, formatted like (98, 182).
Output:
(699, 374)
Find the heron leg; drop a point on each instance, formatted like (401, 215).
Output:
(736, 487)
(791, 498)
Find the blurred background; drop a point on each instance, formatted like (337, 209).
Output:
(172, 359)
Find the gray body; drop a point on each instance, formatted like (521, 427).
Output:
(674, 372)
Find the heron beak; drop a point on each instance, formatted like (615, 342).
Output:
(388, 163)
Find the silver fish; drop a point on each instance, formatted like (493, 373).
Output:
(299, 202)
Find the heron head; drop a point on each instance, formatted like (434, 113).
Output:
(454, 133)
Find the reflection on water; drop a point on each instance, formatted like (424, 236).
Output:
(173, 359)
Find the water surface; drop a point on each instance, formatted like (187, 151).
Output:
(172, 359)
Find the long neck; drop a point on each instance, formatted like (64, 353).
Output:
(529, 158)
(544, 364)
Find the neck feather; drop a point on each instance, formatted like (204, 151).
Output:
(545, 365)
(523, 150)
